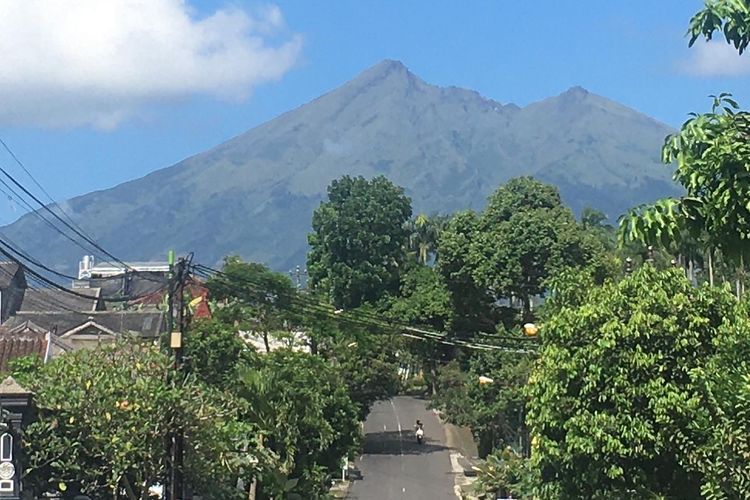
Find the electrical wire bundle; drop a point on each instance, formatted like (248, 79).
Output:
(38, 274)
(302, 303)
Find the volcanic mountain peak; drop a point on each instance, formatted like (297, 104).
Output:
(448, 147)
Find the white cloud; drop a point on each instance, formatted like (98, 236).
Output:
(716, 58)
(97, 62)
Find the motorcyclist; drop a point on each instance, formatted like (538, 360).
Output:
(419, 431)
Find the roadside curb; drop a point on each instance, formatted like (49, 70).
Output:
(340, 488)
(462, 467)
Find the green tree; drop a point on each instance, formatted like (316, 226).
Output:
(424, 301)
(711, 154)
(357, 247)
(520, 194)
(310, 421)
(718, 441)
(493, 409)
(102, 422)
(253, 298)
(423, 236)
(592, 218)
(367, 362)
(215, 353)
(613, 393)
(472, 307)
(729, 17)
(525, 236)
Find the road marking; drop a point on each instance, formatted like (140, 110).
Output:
(384, 427)
(400, 438)
(403, 490)
(398, 423)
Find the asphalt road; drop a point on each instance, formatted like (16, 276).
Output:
(393, 465)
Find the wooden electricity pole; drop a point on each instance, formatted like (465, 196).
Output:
(175, 487)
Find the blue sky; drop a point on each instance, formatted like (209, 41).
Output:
(112, 93)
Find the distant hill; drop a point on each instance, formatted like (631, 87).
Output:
(449, 147)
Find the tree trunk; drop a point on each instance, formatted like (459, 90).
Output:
(740, 275)
(253, 487)
(526, 309)
(265, 341)
(710, 267)
(313, 346)
(433, 377)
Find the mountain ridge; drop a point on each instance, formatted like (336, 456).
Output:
(253, 195)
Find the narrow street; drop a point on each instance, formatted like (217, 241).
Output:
(394, 466)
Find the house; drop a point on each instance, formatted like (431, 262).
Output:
(45, 299)
(89, 329)
(29, 339)
(108, 302)
(87, 269)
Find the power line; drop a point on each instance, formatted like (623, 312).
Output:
(35, 212)
(38, 185)
(44, 207)
(376, 318)
(54, 285)
(404, 330)
(13, 247)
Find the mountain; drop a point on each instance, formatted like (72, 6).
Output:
(449, 147)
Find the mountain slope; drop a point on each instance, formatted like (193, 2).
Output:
(254, 194)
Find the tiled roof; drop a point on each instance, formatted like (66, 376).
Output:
(22, 327)
(131, 284)
(143, 323)
(56, 300)
(15, 345)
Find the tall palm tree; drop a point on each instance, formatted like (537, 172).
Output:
(424, 232)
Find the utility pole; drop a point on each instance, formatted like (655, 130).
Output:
(175, 488)
(167, 486)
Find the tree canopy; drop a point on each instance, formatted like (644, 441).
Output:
(253, 297)
(614, 398)
(359, 239)
(731, 18)
(102, 419)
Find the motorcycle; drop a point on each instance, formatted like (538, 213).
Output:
(420, 435)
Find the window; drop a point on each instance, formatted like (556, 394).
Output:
(6, 447)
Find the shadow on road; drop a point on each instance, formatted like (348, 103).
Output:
(397, 443)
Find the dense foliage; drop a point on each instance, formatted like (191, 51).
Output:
(102, 418)
(359, 240)
(612, 392)
(494, 411)
(253, 297)
(311, 422)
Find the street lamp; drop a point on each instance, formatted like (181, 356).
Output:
(530, 329)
